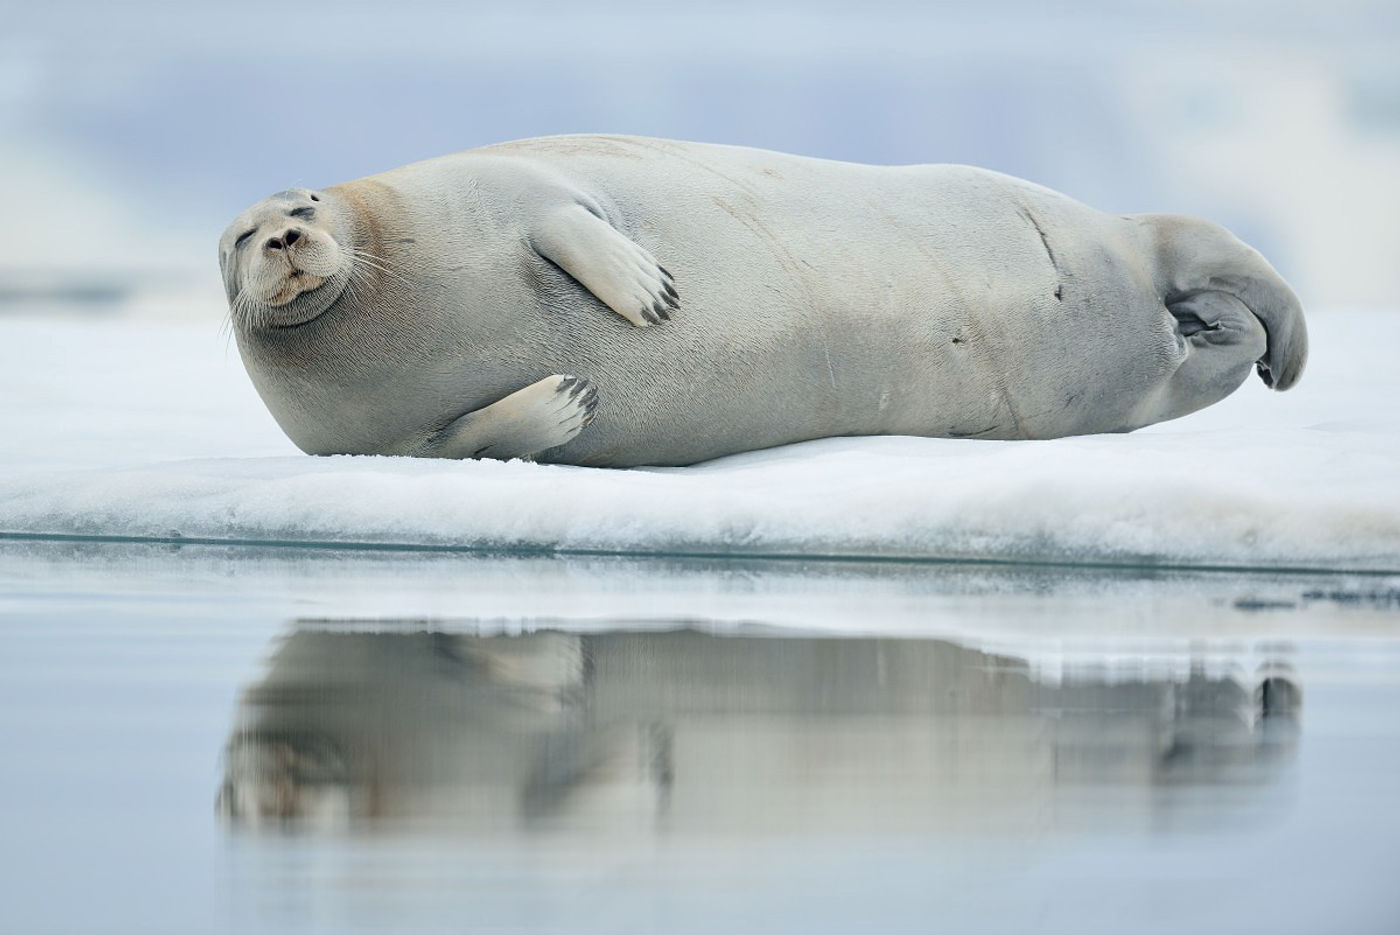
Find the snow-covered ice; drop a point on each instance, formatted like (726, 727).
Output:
(139, 428)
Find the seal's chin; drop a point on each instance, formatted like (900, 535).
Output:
(298, 283)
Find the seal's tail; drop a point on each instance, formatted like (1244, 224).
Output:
(1195, 256)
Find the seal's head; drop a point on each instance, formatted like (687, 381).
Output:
(287, 259)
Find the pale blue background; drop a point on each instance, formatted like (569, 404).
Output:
(130, 133)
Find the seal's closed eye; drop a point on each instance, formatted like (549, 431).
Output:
(305, 211)
(243, 238)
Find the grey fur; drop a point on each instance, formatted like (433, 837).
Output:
(809, 298)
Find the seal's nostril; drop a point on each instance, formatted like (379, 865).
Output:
(273, 244)
(291, 237)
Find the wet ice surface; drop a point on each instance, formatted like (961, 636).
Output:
(152, 430)
(203, 739)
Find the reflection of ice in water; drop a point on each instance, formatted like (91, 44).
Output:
(684, 731)
(120, 667)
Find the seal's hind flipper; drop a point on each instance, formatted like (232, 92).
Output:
(543, 415)
(1220, 341)
(1195, 257)
(620, 273)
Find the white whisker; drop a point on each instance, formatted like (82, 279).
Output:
(380, 265)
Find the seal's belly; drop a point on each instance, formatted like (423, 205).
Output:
(939, 311)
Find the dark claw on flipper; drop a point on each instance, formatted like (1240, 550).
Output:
(671, 293)
(659, 309)
(650, 316)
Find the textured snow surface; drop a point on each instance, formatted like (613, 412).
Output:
(148, 429)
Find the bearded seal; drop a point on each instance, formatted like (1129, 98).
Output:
(617, 301)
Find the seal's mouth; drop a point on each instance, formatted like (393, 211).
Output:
(303, 298)
(298, 283)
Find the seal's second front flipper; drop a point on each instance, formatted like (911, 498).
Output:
(619, 272)
(543, 415)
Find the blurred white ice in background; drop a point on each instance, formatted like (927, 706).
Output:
(131, 133)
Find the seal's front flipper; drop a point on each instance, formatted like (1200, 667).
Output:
(623, 275)
(543, 415)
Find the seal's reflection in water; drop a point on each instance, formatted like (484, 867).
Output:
(682, 730)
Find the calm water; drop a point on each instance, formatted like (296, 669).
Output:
(199, 739)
